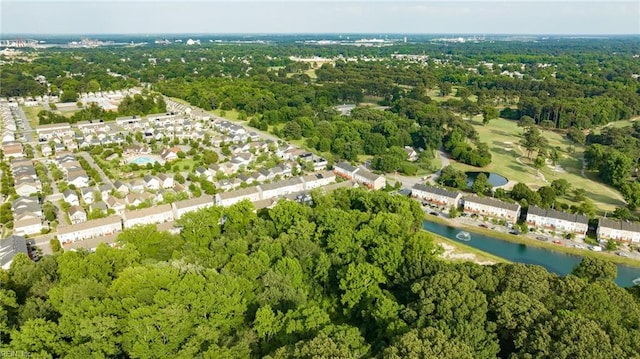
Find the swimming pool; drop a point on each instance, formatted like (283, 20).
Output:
(142, 160)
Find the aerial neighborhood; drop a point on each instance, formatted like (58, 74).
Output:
(103, 177)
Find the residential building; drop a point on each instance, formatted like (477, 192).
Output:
(90, 229)
(557, 221)
(157, 214)
(77, 215)
(318, 180)
(117, 204)
(412, 155)
(28, 226)
(9, 248)
(227, 199)
(78, 178)
(489, 207)
(170, 154)
(166, 180)
(436, 196)
(71, 197)
(282, 188)
(371, 180)
(345, 170)
(151, 182)
(191, 205)
(621, 231)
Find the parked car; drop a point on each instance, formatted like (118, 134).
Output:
(557, 241)
(540, 238)
(483, 225)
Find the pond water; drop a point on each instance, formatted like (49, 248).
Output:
(555, 262)
(495, 179)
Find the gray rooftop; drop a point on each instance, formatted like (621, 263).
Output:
(10, 247)
(621, 225)
(492, 203)
(552, 213)
(368, 175)
(239, 192)
(192, 202)
(281, 184)
(345, 166)
(436, 190)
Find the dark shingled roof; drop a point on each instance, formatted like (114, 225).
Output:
(435, 190)
(345, 166)
(552, 213)
(625, 226)
(492, 202)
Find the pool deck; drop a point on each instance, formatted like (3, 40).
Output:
(152, 158)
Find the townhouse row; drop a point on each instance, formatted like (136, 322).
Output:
(167, 213)
(544, 219)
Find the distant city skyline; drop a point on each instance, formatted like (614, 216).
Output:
(278, 17)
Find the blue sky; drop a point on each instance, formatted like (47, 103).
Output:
(324, 16)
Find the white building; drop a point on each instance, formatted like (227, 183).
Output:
(344, 170)
(27, 226)
(360, 175)
(436, 196)
(370, 180)
(618, 231)
(318, 180)
(191, 205)
(152, 215)
(77, 215)
(559, 222)
(90, 229)
(489, 207)
(227, 199)
(282, 188)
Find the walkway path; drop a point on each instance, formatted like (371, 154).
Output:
(93, 164)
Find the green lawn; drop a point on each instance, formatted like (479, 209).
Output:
(228, 114)
(32, 114)
(502, 136)
(311, 73)
(184, 162)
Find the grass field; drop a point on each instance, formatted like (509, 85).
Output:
(228, 114)
(32, 114)
(510, 160)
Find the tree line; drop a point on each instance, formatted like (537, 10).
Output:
(353, 275)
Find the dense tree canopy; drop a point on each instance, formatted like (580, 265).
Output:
(352, 276)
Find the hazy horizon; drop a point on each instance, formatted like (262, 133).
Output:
(589, 18)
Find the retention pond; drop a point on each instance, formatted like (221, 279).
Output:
(555, 262)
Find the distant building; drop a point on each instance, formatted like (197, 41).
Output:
(489, 207)
(90, 229)
(619, 231)
(436, 196)
(227, 199)
(370, 180)
(191, 205)
(560, 222)
(152, 215)
(360, 175)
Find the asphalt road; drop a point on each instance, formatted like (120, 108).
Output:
(93, 164)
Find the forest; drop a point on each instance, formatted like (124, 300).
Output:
(571, 85)
(351, 276)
